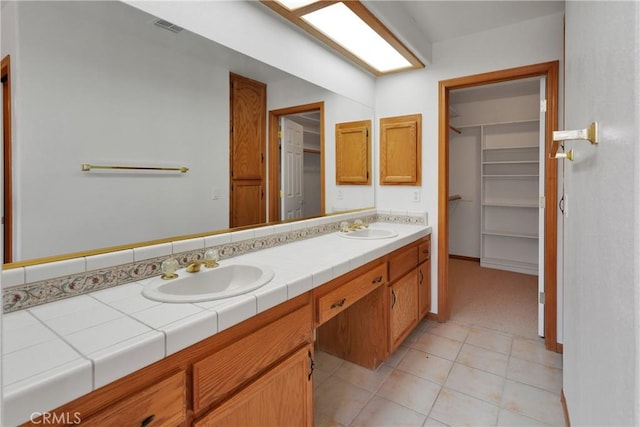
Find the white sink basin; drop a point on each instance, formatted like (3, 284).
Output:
(368, 234)
(209, 283)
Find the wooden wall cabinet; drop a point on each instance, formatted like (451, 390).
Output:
(353, 153)
(401, 150)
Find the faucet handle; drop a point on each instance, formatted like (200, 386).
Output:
(168, 268)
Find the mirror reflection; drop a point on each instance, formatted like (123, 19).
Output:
(102, 83)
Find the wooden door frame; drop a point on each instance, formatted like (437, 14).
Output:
(549, 70)
(7, 161)
(274, 155)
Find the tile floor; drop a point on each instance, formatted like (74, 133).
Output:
(444, 375)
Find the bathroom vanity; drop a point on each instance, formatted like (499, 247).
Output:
(260, 370)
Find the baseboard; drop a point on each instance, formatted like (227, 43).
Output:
(559, 348)
(464, 258)
(432, 316)
(563, 399)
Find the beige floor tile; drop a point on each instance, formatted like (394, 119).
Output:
(535, 351)
(458, 409)
(483, 359)
(511, 419)
(339, 402)
(489, 340)
(363, 377)
(450, 330)
(322, 420)
(319, 377)
(433, 423)
(384, 413)
(327, 362)
(534, 374)
(412, 338)
(397, 356)
(438, 346)
(533, 402)
(477, 383)
(427, 366)
(408, 390)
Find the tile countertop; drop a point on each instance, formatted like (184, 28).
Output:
(57, 352)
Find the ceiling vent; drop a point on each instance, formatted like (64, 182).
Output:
(168, 26)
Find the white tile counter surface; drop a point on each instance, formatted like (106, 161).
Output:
(57, 352)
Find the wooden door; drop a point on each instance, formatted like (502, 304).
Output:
(248, 115)
(282, 397)
(292, 169)
(353, 153)
(404, 308)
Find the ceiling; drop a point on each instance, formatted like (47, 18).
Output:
(420, 23)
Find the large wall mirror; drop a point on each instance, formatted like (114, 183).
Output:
(101, 83)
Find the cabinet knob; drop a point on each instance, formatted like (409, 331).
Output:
(339, 303)
(147, 421)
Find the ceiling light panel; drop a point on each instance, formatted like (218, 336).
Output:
(343, 26)
(295, 4)
(352, 30)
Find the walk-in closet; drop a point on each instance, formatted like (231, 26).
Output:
(496, 184)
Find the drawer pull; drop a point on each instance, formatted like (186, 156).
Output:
(312, 366)
(377, 279)
(426, 251)
(147, 421)
(393, 298)
(339, 303)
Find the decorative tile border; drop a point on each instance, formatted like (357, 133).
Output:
(32, 294)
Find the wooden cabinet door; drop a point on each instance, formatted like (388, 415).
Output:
(353, 153)
(282, 397)
(248, 127)
(404, 308)
(401, 150)
(424, 288)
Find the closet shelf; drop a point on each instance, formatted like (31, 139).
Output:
(511, 204)
(510, 234)
(510, 176)
(512, 147)
(510, 162)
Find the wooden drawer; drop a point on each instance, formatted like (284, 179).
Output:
(402, 261)
(424, 250)
(162, 404)
(341, 298)
(220, 374)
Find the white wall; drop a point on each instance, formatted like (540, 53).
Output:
(254, 30)
(113, 97)
(530, 42)
(601, 375)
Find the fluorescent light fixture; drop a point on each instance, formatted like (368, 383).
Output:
(352, 30)
(295, 4)
(344, 27)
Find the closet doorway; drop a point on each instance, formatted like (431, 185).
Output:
(494, 157)
(296, 165)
